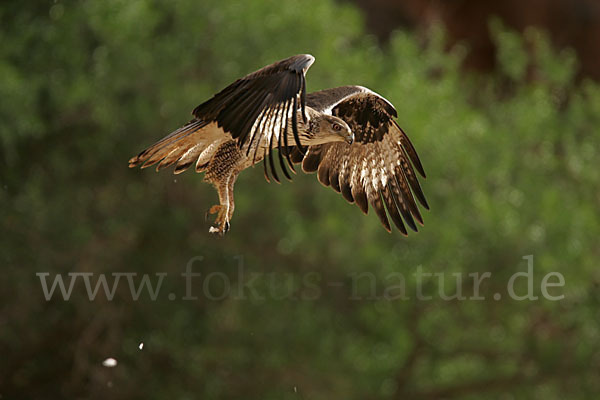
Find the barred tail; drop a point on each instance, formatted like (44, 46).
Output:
(184, 146)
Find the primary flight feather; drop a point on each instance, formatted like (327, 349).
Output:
(347, 135)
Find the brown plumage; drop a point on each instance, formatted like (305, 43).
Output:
(347, 135)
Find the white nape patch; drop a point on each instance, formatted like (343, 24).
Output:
(212, 229)
(109, 362)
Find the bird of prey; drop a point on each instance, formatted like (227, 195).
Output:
(348, 135)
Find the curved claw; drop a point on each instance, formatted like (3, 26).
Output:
(221, 231)
(221, 224)
(216, 231)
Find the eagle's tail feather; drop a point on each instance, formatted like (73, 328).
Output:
(181, 146)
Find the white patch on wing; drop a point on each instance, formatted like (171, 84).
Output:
(270, 125)
(392, 156)
(374, 175)
(360, 92)
(257, 125)
(343, 167)
(369, 91)
(385, 164)
(363, 171)
(330, 107)
(263, 128)
(384, 178)
(379, 172)
(279, 120)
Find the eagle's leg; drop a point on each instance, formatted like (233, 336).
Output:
(224, 210)
(222, 172)
(231, 204)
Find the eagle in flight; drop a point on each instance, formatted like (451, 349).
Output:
(347, 135)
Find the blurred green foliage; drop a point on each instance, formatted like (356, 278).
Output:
(512, 163)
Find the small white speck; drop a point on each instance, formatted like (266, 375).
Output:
(109, 362)
(141, 346)
(295, 389)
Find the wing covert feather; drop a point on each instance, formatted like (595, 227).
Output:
(238, 107)
(378, 169)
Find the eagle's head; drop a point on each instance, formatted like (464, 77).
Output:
(328, 128)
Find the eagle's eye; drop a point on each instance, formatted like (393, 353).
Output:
(337, 127)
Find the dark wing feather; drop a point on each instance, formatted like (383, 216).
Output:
(239, 106)
(250, 110)
(379, 167)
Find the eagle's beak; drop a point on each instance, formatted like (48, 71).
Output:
(350, 138)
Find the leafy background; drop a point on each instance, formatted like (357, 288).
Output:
(512, 171)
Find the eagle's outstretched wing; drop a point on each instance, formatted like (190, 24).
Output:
(377, 168)
(254, 110)
(249, 100)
